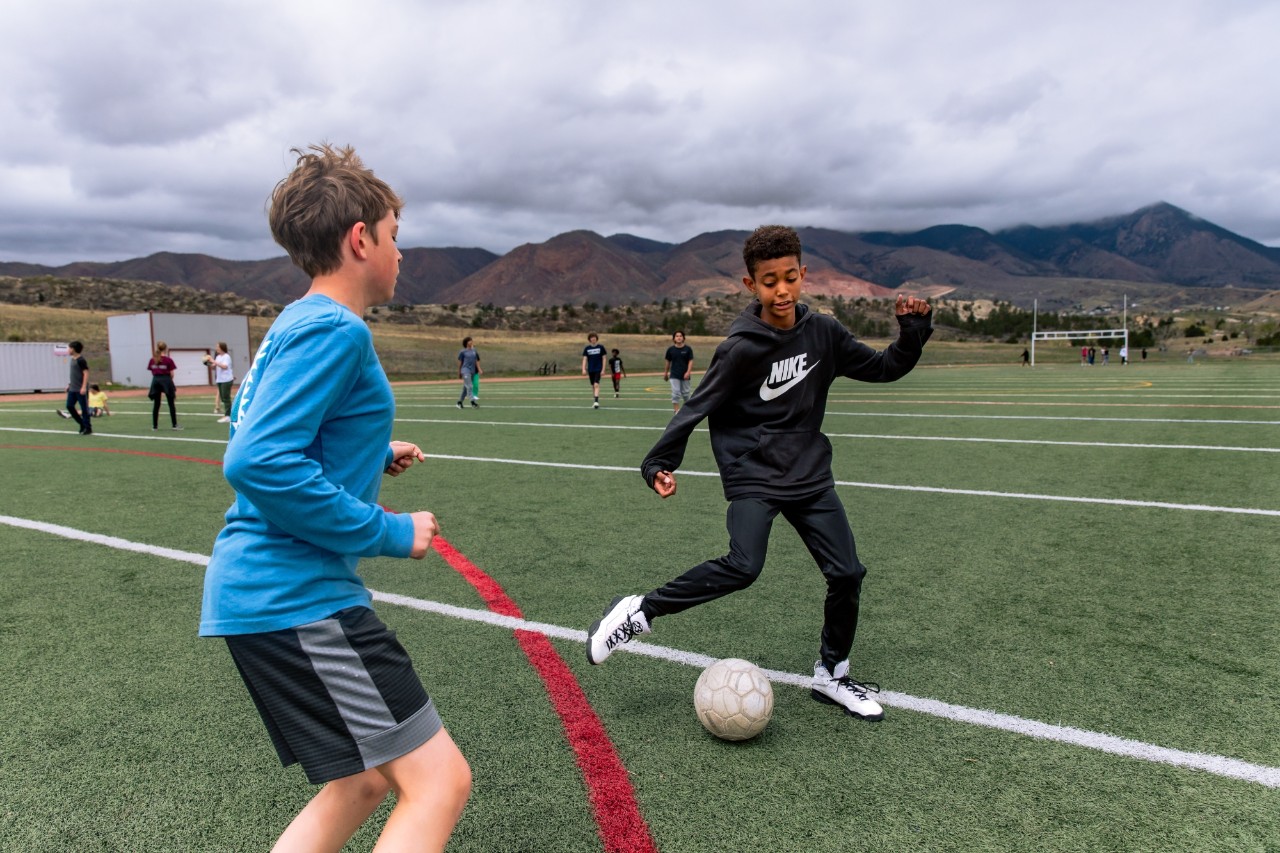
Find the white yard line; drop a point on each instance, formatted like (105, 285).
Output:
(853, 483)
(1126, 747)
(894, 487)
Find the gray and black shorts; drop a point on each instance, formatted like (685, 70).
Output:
(338, 696)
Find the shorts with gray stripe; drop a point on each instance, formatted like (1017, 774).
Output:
(338, 696)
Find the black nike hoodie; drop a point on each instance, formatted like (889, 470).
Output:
(765, 393)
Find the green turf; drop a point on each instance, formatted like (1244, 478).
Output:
(121, 730)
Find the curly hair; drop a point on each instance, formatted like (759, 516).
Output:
(767, 243)
(326, 194)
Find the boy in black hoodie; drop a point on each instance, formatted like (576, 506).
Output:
(765, 394)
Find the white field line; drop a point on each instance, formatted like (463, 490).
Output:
(166, 435)
(1057, 443)
(1050, 418)
(868, 435)
(627, 410)
(986, 493)
(891, 487)
(1215, 764)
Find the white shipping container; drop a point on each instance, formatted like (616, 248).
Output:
(34, 367)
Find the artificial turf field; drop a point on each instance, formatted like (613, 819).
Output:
(1072, 608)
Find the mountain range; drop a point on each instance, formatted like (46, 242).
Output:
(1159, 251)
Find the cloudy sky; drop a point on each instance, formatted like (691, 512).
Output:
(151, 125)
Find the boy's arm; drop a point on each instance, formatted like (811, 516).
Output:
(266, 460)
(688, 368)
(861, 362)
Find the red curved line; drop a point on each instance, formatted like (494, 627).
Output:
(613, 800)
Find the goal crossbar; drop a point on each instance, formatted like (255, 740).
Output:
(1096, 334)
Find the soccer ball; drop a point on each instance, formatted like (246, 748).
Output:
(733, 699)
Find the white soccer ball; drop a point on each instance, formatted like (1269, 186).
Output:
(733, 699)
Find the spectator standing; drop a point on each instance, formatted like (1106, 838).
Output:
(162, 368)
(223, 377)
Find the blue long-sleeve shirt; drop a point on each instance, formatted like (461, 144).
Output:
(310, 439)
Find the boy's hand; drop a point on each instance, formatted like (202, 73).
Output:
(910, 305)
(664, 483)
(425, 528)
(405, 454)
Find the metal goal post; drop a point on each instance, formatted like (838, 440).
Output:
(1062, 336)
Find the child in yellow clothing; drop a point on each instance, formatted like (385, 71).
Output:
(98, 402)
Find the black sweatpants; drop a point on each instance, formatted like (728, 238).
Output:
(823, 527)
(162, 386)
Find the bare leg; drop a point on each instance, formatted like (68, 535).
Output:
(334, 814)
(432, 784)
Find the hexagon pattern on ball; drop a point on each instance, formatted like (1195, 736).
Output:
(733, 699)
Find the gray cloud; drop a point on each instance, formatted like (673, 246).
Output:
(153, 126)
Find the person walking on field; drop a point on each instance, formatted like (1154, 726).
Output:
(764, 396)
(468, 370)
(162, 368)
(310, 441)
(593, 366)
(679, 369)
(617, 371)
(78, 390)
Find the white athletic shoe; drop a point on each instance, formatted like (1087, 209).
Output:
(224, 420)
(595, 405)
(839, 689)
(61, 413)
(622, 622)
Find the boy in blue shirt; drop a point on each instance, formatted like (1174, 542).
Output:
(310, 439)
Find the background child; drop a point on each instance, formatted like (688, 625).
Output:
(593, 366)
(679, 369)
(98, 402)
(765, 393)
(469, 372)
(617, 370)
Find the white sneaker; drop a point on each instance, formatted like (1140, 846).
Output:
(839, 689)
(224, 420)
(622, 622)
(595, 405)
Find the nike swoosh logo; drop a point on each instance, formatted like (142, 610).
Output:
(767, 393)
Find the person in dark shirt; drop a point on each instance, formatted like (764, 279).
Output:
(78, 390)
(765, 395)
(617, 371)
(678, 370)
(593, 365)
(162, 368)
